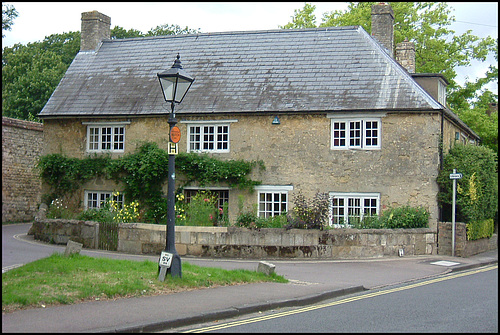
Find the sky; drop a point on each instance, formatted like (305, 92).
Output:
(39, 19)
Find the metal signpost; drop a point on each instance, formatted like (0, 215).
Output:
(454, 176)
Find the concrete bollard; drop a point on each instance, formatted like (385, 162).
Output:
(266, 268)
(73, 248)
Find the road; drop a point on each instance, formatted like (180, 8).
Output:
(457, 302)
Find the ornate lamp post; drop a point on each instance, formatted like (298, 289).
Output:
(175, 82)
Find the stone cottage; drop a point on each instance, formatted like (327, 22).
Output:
(326, 109)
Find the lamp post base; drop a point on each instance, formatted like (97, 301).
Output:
(175, 268)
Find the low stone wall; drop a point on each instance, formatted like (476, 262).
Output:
(233, 242)
(277, 243)
(60, 231)
(463, 248)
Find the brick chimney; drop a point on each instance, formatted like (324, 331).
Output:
(95, 29)
(383, 25)
(405, 55)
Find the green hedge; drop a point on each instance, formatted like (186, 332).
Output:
(477, 191)
(480, 229)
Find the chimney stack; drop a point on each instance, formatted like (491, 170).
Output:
(383, 25)
(96, 27)
(405, 55)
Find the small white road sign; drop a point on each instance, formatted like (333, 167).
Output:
(456, 176)
(166, 259)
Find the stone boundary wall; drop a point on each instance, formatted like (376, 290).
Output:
(463, 248)
(60, 231)
(233, 242)
(22, 144)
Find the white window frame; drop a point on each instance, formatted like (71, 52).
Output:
(115, 140)
(272, 200)
(351, 202)
(213, 136)
(99, 197)
(353, 131)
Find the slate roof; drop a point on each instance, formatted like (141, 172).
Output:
(293, 70)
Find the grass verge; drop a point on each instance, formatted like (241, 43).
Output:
(58, 279)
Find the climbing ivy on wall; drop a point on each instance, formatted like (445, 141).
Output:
(143, 172)
(65, 175)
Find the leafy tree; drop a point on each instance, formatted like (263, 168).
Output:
(166, 29)
(302, 18)
(9, 13)
(437, 50)
(118, 32)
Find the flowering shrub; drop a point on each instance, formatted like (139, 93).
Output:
(309, 214)
(57, 210)
(201, 210)
(126, 213)
(112, 211)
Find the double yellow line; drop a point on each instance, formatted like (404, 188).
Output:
(342, 301)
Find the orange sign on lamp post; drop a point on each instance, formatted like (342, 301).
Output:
(175, 134)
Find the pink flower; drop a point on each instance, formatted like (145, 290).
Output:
(206, 200)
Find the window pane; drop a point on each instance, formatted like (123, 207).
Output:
(106, 138)
(118, 140)
(371, 133)
(339, 134)
(355, 133)
(194, 138)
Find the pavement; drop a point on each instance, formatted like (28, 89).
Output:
(310, 281)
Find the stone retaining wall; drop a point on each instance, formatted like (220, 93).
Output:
(232, 242)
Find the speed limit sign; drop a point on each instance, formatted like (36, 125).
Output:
(166, 259)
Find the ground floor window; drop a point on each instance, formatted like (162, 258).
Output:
(221, 195)
(96, 199)
(272, 200)
(347, 209)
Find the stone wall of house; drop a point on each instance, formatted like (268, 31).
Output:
(22, 144)
(297, 152)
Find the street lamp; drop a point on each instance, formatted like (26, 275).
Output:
(174, 83)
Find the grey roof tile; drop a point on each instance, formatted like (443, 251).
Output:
(321, 69)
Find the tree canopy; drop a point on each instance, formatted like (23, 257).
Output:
(9, 13)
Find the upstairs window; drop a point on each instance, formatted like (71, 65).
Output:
(208, 136)
(106, 137)
(361, 134)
